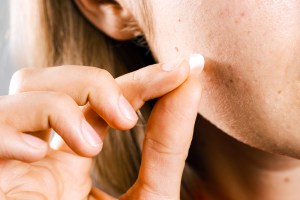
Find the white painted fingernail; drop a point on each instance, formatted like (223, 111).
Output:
(197, 61)
(56, 141)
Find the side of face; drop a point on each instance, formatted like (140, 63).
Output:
(252, 80)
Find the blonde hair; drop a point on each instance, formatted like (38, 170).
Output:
(55, 33)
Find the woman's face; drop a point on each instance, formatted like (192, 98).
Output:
(252, 80)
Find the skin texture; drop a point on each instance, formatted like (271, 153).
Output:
(250, 91)
(251, 86)
(65, 174)
(62, 176)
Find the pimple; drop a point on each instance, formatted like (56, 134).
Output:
(224, 12)
(229, 83)
(240, 17)
(286, 179)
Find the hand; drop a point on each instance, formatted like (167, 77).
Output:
(58, 176)
(50, 98)
(63, 175)
(136, 80)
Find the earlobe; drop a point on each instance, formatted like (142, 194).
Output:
(111, 18)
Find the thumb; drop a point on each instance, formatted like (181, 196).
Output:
(167, 141)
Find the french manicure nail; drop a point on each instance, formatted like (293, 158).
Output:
(126, 109)
(90, 135)
(32, 140)
(197, 61)
(171, 66)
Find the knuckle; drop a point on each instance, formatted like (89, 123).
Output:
(98, 78)
(97, 74)
(57, 107)
(62, 97)
(140, 77)
(140, 83)
(62, 100)
(18, 79)
(135, 76)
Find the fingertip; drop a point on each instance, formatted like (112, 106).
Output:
(78, 136)
(89, 135)
(185, 68)
(196, 61)
(127, 110)
(124, 117)
(88, 152)
(36, 149)
(181, 67)
(30, 155)
(33, 141)
(89, 142)
(79, 147)
(122, 125)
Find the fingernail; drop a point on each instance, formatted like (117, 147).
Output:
(32, 140)
(171, 66)
(127, 109)
(197, 61)
(90, 135)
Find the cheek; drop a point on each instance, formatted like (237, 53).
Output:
(252, 43)
(228, 32)
(254, 50)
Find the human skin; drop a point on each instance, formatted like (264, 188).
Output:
(65, 173)
(239, 63)
(251, 86)
(250, 83)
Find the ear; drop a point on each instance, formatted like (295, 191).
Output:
(111, 18)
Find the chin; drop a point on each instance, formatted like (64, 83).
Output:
(265, 123)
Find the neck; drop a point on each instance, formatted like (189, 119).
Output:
(233, 170)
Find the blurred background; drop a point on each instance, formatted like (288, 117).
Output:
(6, 67)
